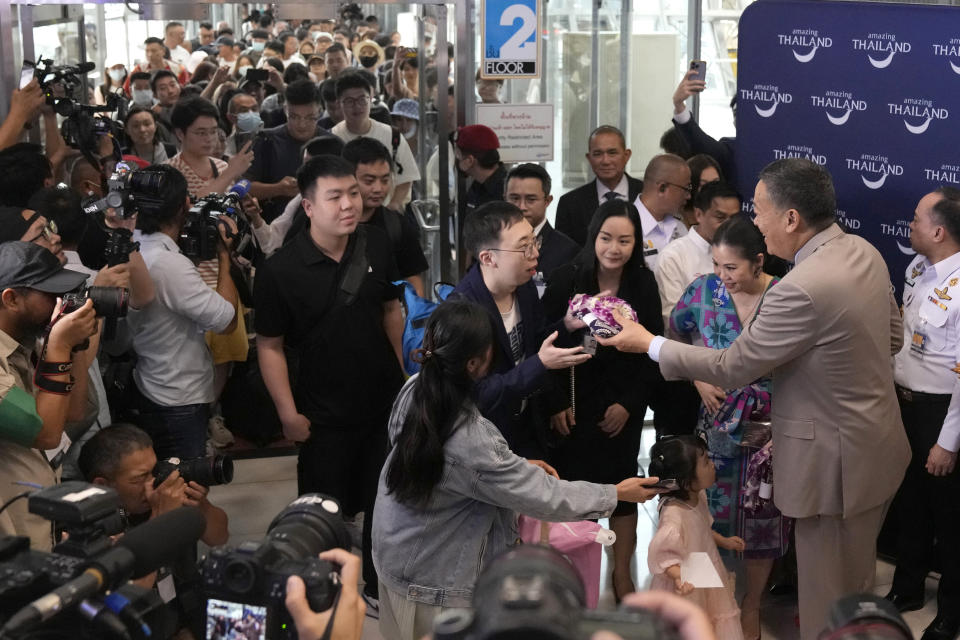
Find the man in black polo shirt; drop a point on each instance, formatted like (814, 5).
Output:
(328, 294)
(373, 170)
(277, 150)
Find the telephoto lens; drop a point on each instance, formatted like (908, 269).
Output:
(108, 302)
(209, 472)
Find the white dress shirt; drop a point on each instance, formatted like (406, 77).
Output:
(174, 366)
(930, 357)
(657, 235)
(622, 190)
(681, 262)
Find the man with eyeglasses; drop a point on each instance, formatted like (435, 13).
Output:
(505, 251)
(608, 156)
(27, 225)
(355, 94)
(277, 150)
(528, 188)
(666, 188)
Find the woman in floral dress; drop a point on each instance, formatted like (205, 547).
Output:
(713, 311)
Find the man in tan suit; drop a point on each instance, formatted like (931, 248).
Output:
(827, 332)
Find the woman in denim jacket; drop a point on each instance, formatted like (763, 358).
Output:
(451, 489)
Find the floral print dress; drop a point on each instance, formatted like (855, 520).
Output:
(706, 316)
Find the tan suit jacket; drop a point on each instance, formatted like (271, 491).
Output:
(827, 332)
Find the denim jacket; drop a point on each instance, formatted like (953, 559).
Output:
(434, 554)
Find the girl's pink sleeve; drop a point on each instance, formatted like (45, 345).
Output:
(667, 547)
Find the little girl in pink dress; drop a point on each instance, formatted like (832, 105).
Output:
(684, 528)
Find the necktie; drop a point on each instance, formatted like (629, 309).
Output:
(610, 195)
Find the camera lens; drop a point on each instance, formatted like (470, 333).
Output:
(109, 302)
(221, 469)
(310, 524)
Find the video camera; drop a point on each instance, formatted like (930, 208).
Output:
(248, 583)
(62, 85)
(201, 231)
(61, 594)
(532, 591)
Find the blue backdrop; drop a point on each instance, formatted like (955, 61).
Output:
(870, 91)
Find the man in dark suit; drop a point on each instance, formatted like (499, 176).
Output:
(505, 254)
(608, 156)
(697, 139)
(528, 187)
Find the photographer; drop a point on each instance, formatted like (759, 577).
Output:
(122, 457)
(37, 400)
(174, 373)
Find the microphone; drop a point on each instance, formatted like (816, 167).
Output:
(139, 552)
(240, 189)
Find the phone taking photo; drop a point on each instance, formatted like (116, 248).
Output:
(27, 72)
(700, 66)
(666, 484)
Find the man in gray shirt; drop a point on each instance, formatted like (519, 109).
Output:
(174, 374)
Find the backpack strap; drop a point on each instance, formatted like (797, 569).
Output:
(395, 144)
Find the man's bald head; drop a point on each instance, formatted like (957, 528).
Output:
(662, 168)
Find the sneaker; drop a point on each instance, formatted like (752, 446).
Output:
(219, 434)
(373, 606)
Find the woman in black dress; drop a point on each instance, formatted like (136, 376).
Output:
(597, 408)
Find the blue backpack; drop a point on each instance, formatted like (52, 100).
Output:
(418, 312)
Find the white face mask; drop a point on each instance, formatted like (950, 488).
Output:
(143, 97)
(412, 132)
(242, 71)
(116, 75)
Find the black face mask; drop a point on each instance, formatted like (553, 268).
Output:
(368, 61)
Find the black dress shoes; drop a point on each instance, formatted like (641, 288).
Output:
(905, 603)
(942, 628)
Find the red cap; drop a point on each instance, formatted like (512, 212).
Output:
(137, 160)
(477, 137)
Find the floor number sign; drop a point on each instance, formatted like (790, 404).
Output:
(511, 39)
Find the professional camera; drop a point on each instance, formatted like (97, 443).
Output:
(533, 591)
(250, 581)
(201, 231)
(118, 196)
(62, 85)
(108, 302)
(864, 616)
(90, 514)
(208, 472)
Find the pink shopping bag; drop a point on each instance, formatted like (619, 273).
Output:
(579, 541)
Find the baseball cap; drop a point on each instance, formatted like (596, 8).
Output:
(477, 137)
(25, 264)
(407, 108)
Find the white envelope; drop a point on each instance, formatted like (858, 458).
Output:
(697, 569)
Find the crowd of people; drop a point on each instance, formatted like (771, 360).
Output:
(757, 374)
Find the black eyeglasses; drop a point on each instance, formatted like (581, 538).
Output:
(529, 251)
(688, 188)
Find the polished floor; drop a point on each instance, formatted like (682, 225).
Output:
(263, 487)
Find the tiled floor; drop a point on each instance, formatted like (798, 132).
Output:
(263, 487)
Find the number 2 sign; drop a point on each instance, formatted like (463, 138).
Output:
(510, 39)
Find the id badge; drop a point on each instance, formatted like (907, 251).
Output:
(589, 344)
(918, 344)
(165, 586)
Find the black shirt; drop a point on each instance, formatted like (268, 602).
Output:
(490, 190)
(348, 371)
(405, 240)
(276, 155)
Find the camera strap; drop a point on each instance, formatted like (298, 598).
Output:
(356, 269)
(328, 631)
